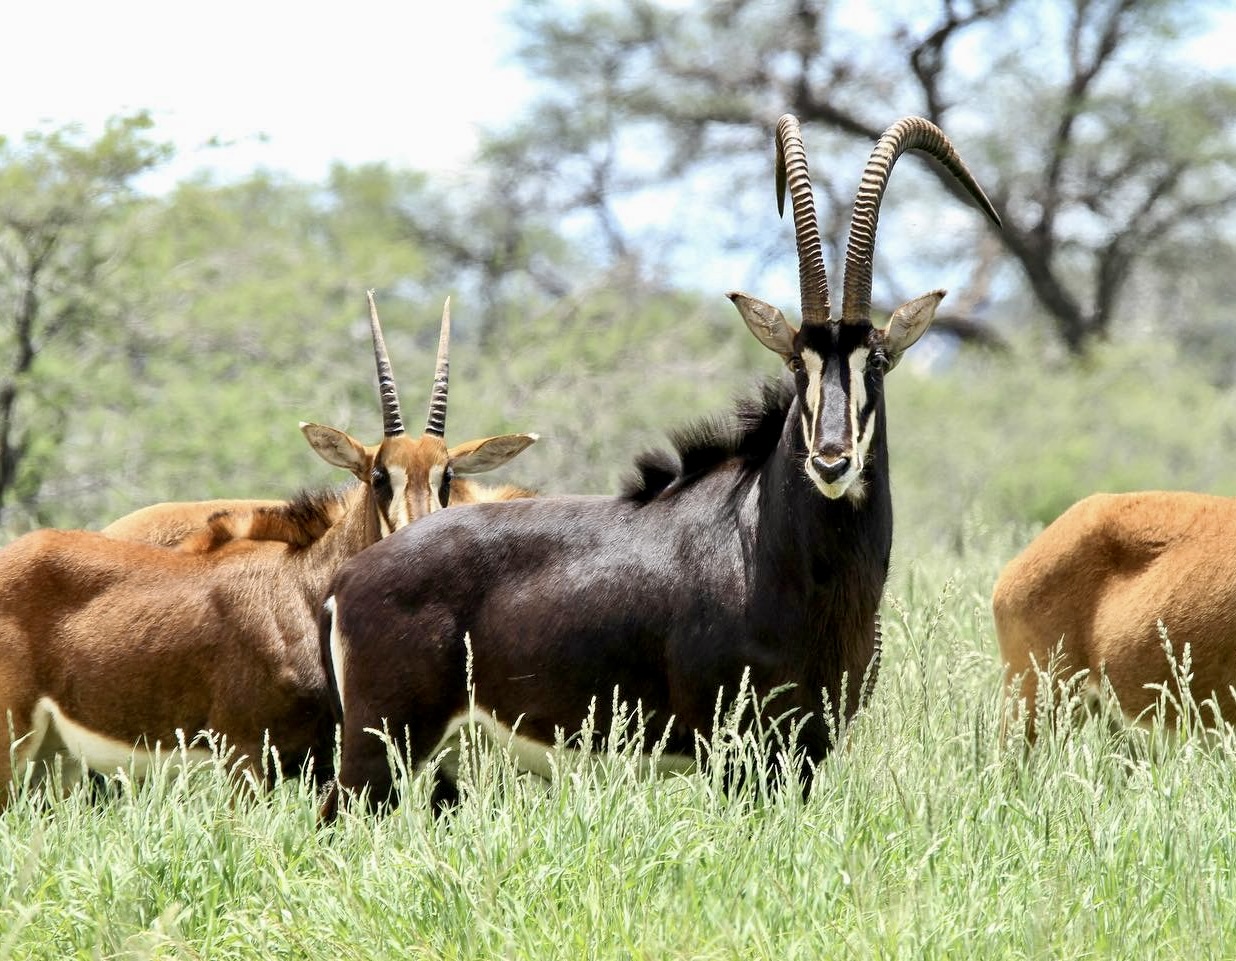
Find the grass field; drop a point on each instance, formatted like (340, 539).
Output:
(925, 837)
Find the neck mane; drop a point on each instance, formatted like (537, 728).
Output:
(300, 523)
(748, 435)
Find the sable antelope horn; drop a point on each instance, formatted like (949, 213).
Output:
(436, 424)
(909, 133)
(392, 422)
(791, 167)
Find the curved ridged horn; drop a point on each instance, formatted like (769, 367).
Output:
(436, 424)
(792, 169)
(909, 133)
(392, 422)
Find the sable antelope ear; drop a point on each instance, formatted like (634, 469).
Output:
(908, 323)
(339, 449)
(767, 323)
(478, 456)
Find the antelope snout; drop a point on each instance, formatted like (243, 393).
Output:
(830, 469)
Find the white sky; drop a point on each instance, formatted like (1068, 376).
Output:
(290, 86)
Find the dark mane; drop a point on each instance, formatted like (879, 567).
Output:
(298, 523)
(750, 433)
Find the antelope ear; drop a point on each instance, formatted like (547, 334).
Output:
(908, 323)
(767, 323)
(338, 449)
(478, 456)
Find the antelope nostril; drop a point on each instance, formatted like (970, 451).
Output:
(829, 469)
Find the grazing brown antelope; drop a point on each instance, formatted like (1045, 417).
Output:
(109, 647)
(759, 546)
(1089, 593)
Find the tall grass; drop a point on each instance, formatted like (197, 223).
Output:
(925, 836)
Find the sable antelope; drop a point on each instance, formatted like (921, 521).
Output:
(107, 646)
(1088, 594)
(171, 522)
(761, 546)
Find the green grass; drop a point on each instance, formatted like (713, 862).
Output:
(925, 837)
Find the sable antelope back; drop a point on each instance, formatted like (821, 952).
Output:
(1089, 593)
(760, 543)
(108, 645)
(171, 522)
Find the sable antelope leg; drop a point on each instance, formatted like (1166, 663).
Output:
(413, 709)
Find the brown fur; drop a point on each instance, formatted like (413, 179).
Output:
(170, 522)
(136, 642)
(297, 523)
(1089, 592)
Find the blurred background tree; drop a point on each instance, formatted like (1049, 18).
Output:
(1100, 143)
(164, 346)
(66, 211)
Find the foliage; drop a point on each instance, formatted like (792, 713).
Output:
(1010, 440)
(604, 374)
(926, 837)
(1098, 141)
(66, 223)
(246, 315)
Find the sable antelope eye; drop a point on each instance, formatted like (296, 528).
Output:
(877, 360)
(796, 364)
(444, 489)
(380, 477)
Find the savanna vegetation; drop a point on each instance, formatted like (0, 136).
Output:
(163, 347)
(924, 837)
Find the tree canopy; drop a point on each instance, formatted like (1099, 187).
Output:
(1100, 144)
(65, 227)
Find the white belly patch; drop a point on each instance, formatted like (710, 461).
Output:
(529, 754)
(88, 749)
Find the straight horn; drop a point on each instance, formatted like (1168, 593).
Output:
(392, 421)
(436, 423)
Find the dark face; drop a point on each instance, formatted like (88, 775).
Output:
(839, 374)
(839, 371)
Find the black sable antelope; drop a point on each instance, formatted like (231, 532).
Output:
(761, 546)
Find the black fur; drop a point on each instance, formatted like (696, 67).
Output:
(750, 434)
(305, 518)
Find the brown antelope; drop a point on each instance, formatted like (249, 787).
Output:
(758, 546)
(171, 522)
(109, 648)
(1089, 593)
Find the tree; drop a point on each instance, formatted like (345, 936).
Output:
(492, 236)
(1098, 144)
(64, 205)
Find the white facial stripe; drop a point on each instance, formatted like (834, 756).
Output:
(815, 395)
(399, 516)
(858, 400)
(435, 485)
(863, 432)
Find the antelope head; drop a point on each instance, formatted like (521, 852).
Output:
(409, 477)
(839, 365)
